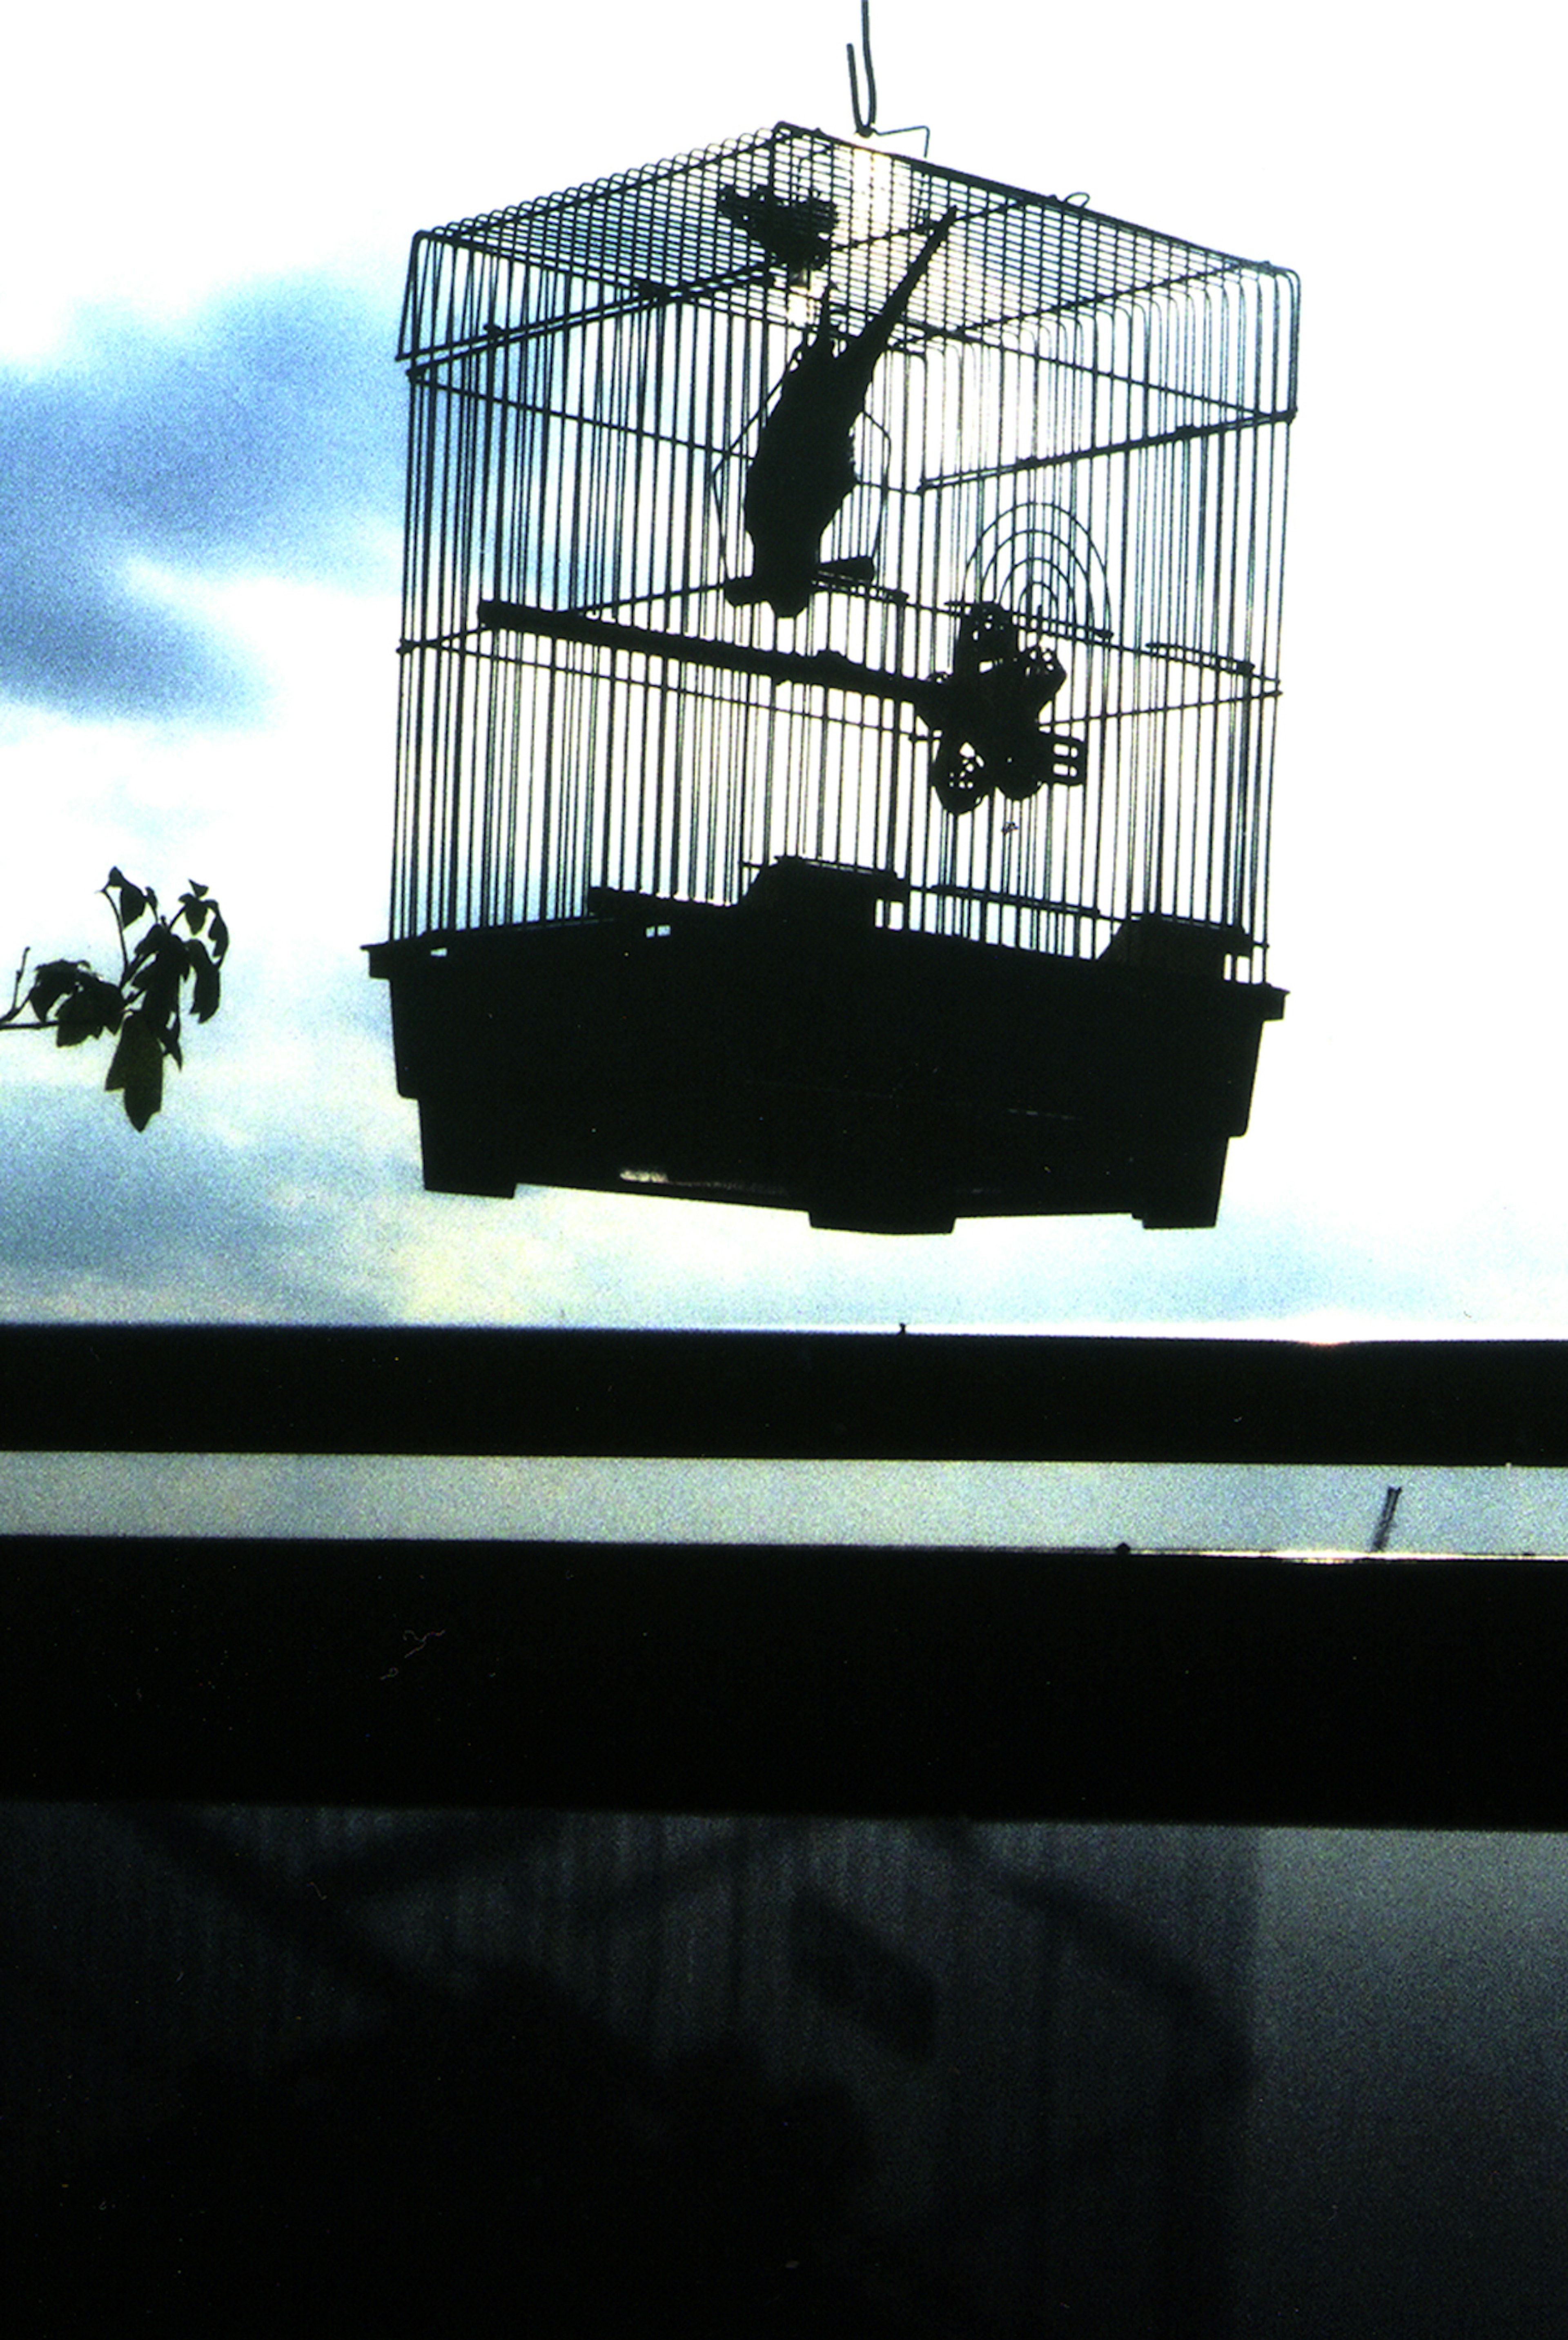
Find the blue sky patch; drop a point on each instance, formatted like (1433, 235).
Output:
(264, 435)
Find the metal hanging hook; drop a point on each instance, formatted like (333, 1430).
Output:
(867, 128)
(865, 124)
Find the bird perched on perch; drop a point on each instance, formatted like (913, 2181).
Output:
(804, 466)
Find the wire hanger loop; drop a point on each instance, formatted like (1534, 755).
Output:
(867, 128)
(865, 124)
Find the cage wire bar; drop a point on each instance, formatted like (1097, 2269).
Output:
(1073, 445)
(1079, 418)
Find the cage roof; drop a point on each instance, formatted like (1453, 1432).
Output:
(663, 231)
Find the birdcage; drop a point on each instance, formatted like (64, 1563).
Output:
(839, 660)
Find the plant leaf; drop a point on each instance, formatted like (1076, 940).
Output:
(161, 964)
(207, 982)
(155, 946)
(137, 1069)
(51, 984)
(92, 1007)
(133, 899)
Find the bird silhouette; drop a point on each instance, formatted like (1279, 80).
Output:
(804, 466)
(797, 235)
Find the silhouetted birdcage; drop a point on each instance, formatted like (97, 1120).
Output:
(841, 610)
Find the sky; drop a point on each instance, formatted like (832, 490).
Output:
(1315, 1512)
(200, 449)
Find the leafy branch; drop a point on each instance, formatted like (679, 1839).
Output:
(143, 1005)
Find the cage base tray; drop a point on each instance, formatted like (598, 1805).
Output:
(788, 1052)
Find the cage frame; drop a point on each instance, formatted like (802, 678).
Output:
(1164, 932)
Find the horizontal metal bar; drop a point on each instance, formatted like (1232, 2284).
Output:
(713, 450)
(1216, 659)
(949, 892)
(1233, 409)
(830, 670)
(422, 359)
(1177, 438)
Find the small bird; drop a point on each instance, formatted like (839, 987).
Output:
(797, 235)
(804, 466)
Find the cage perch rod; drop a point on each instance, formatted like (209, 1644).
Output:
(828, 669)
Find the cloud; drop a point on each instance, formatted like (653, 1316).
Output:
(262, 436)
(262, 1193)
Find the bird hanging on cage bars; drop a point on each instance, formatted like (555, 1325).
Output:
(987, 716)
(804, 466)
